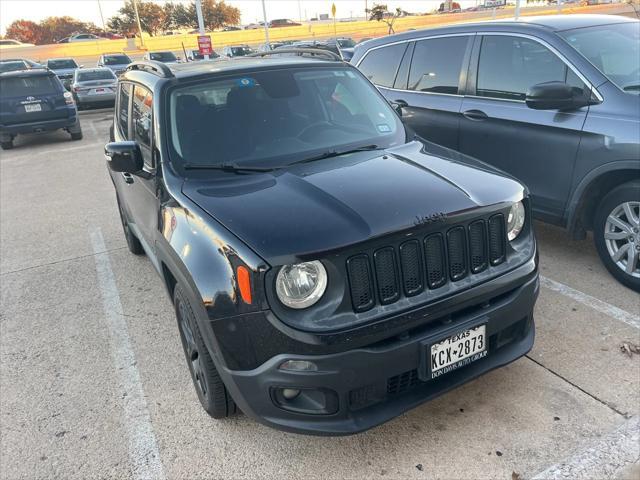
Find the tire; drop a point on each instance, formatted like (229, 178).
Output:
(6, 145)
(76, 131)
(76, 135)
(617, 233)
(133, 243)
(211, 391)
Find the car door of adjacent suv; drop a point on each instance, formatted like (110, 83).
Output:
(138, 192)
(538, 147)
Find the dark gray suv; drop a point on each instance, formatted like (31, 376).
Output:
(553, 100)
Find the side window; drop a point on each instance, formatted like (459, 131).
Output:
(141, 120)
(437, 63)
(123, 108)
(508, 66)
(380, 65)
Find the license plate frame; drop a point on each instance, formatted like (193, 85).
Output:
(33, 107)
(428, 371)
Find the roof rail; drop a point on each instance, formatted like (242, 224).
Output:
(157, 68)
(314, 52)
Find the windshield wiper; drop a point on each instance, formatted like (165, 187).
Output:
(226, 167)
(335, 153)
(631, 87)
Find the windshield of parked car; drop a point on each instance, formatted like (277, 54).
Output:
(116, 60)
(346, 43)
(12, 66)
(612, 49)
(163, 57)
(89, 75)
(240, 51)
(60, 64)
(28, 85)
(277, 117)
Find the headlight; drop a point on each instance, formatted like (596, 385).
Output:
(515, 222)
(301, 285)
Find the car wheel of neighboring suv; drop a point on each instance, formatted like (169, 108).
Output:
(212, 393)
(617, 233)
(76, 132)
(133, 243)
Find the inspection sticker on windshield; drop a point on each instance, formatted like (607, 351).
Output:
(458, 350)
(246, 82)
(383, 128)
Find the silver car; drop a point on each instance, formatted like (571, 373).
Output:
(116, 62)
(94, 86)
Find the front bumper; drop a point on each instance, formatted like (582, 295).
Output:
(39, 126)
(367, 386)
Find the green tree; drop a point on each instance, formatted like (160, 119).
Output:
(215, 14)
(380, 13)
(151, 18)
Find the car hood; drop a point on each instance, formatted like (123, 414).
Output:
(311, 208)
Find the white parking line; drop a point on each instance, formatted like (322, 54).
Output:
(592, 302)
(607, 458)
(143, 449)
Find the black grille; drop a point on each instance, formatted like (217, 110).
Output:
(411, 264)
(403, 382)
(457, 246)
(435, 261)
(360, 283)
(497, 242)
(387, 275)
(478, 246)
(406, 270)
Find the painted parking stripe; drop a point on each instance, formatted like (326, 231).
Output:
(142, 446)
(592, 302)
(607, 458)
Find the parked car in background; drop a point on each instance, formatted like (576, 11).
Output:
(116, 62)
(13, 65)
(30, 63)
(254, 26)
(94, 86)
(111, 36)
(10, 43)
(194, 55)
(264, 47)
(80, 37)
(34, 101)
(164, 57)
(328, 45)
(346, 46)
(64, 68)
(283, 22)
(232, 51)
(328, 271)
(231, 28)
(553, 101)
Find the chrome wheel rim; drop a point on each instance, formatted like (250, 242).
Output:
(622, 237)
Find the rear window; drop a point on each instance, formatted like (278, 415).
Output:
(163, 57)
(12, 66)
(58, 64)
(95, 75)
(116, 60)
(241, 51)
(25, 86)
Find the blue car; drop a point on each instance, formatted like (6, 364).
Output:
(34, 101)
(554, 101)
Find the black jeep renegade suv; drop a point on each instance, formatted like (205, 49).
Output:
(329, 270)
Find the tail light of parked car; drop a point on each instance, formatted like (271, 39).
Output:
(68, 98)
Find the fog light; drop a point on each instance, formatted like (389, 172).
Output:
(298, 366)
(290, 393)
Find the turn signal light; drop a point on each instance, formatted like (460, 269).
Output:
(244, 284)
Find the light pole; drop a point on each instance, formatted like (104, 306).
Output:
(135, 8)
(517, 12)
(200, 21)
(266, 26)
(101, 16)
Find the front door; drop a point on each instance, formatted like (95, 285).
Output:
(536, 146)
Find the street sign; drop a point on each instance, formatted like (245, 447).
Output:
(204, 45)
(494, 3)
(333, 10)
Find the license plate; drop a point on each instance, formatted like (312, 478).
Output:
(36, 107)
(101, 91)
(458, 350)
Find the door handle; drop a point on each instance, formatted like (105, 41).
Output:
(128, 178)
(475, 115)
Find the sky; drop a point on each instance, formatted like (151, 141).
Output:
(251, 10)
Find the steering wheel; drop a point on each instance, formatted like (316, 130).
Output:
(322, 125)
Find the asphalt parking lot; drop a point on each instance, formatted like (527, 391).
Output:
(93, 381)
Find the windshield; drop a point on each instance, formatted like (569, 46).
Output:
(163, 57)
(88, 76)
(116, 60)
(346, 43)
(241, 51)
(612, 49)
(273, 118)
(59, 64)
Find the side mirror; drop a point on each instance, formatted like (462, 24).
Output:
(554, 96)
(124, 157)
(398, 105)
